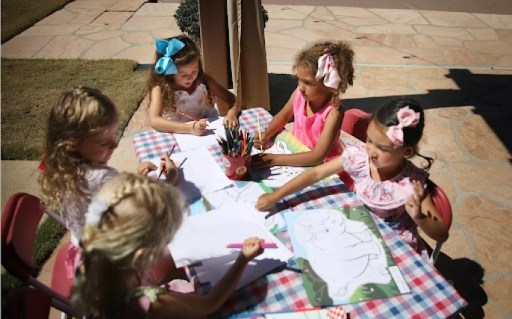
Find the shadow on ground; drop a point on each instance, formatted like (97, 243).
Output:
(466, 276)
(490, 94)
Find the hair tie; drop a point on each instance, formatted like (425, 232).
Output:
(165, 65)
(327, 70)
(406, 118)
(95, 211)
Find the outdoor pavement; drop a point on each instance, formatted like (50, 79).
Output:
(457, 64)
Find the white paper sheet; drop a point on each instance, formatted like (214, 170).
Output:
(214, 130)
(206, 236)
(199, 174)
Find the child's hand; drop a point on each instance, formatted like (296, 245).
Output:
(168, 165)
(231, 119)
(266, 202)
(260, 144)
(145, 167)
(199, 126)
(263, 160)
(252, 248)
(413, 205)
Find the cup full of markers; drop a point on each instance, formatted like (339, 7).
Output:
(236, 152)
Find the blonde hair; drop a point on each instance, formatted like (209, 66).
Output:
(186, 55)
(78, 114)
(141, 219)
(343, 57)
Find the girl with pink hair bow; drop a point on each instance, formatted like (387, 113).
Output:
(385, 180)
(324, 71)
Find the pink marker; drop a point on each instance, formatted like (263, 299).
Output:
(263, 245)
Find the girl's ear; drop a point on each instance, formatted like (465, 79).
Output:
(409, 151)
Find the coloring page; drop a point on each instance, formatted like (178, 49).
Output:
(214, 130)
(327, 244)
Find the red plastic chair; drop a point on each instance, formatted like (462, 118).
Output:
(20, 220)
(28, 303)
(355, 122)
(443, 206)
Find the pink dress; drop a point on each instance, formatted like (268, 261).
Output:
(386, 199)
(308, 129)
(138, 301)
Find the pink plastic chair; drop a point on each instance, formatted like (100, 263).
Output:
(444, 208)
(355, 122)
(28, 303)
(20, 220)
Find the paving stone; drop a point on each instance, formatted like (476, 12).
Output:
(397, 16)
(496, 21)
(24, 47)
(64, 47)
(288, 12)
(91, 4)
(105, 49)
(127, 5)
(43, 30)
(71, 16)
(115, 18)
(452, 19)
(143, 53)
(158, 10)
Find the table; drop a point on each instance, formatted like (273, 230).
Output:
(431, 295)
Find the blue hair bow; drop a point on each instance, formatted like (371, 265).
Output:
(165, 65)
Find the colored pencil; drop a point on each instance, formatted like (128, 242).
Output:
(263, 245)
(163, 168)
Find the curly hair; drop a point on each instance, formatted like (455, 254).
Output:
(189, 53)
(141, 217)
(343, 57)
(78, 114)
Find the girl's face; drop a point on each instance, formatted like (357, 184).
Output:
(312, 90)
(381, 152)
(98, 148)
(187, 74)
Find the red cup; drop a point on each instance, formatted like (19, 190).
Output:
(236, 168)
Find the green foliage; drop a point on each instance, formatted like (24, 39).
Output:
(43, 80)
(315, 286)
(19, 15)
(187, 17)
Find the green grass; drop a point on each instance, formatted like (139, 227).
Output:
(18, 15)
(31, 87)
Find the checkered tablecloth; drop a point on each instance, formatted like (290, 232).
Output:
(431, 295)
(151, 144)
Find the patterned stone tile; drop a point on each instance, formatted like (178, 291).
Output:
(157, 10)
(389, 28)
(457, 33)
(144, 53)
(127, 5)
(114, 18)
(44, 30)
(452, 19)
(397, 16)
(73, 16)
(105, 49)
(496, 21)
(24, 47)
(356, 16)
(288, 12)
(65, 47)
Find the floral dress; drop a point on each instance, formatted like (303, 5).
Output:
(386, 199)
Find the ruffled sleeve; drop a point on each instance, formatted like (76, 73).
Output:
(355, 160)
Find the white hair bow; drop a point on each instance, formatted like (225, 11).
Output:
(327, 70)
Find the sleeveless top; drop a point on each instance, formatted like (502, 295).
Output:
(387, 198)
(308, 129)
(193, 104)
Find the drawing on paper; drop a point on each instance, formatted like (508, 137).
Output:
(342, 256)
(277, 176)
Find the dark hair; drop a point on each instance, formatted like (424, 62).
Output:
(386, 116)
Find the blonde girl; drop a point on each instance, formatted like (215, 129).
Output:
(130, 222)
(80, 139)
(385, 180)
(181, 92)
(324, 71)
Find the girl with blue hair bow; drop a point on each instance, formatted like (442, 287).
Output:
(180, 92)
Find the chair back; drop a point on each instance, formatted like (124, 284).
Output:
(20, 220)
(355, 122)
(28, 303)
(443, 206)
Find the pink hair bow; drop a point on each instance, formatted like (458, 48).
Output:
(406, 118)
(327, 70)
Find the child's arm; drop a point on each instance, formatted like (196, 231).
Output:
(178, 305)
(171, 172)
(159, 123)
(422, 210)
(215, 89)
(276, 125)
(314, 157)
(303, 180)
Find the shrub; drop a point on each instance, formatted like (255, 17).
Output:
(187, 17)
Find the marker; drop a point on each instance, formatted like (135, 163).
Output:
(263, 245)
(172, 150)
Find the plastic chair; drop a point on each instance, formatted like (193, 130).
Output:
(20, 220)
(28, 303)
(355, 122)
(443, 206)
